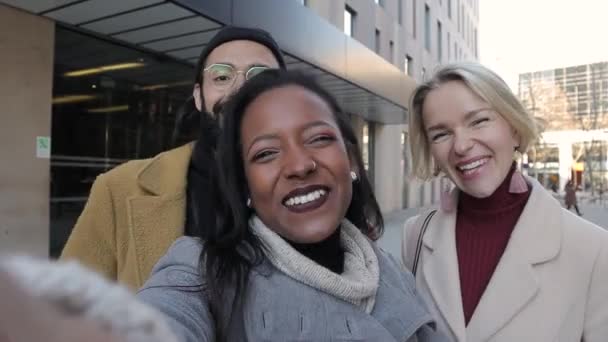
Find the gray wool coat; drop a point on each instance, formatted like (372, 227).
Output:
(279, 308)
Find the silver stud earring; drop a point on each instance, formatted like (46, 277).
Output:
(248, 202)
(353, 176)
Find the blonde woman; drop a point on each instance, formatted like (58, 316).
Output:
(501, 260)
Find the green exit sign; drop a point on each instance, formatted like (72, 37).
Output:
(43, 147)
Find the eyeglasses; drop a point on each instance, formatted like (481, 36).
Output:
(223, 76)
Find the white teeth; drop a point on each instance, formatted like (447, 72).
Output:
(303, 199)
(472, 165)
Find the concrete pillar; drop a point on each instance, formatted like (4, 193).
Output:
(428, 193)
(413, 194)
(357, 123)
(388, 170)
(26, 61)
(565, 162)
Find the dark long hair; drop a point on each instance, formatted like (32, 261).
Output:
(231, 249)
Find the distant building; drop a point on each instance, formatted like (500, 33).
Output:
(416, 37)
(571, 104)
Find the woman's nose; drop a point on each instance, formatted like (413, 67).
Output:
(463, 142)
(300, 165)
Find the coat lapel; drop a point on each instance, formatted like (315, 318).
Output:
(535, 239)
(157, 217)
(440, 269)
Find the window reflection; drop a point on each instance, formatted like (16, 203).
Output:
(110, 104)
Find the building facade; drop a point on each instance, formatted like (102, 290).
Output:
(91, 84)
(571, 105)
(415, 36)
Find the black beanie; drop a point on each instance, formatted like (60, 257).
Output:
(230, 33)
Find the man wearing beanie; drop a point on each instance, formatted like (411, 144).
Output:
(136, 211)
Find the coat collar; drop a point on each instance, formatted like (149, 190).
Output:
(156, 218)
(166, 173)
(440, 269)
(536, 239)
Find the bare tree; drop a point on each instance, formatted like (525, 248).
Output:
(572, 100)
(549, 106)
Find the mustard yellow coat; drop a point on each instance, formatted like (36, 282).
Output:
(133, 215)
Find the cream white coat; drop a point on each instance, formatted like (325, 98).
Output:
(551, 283)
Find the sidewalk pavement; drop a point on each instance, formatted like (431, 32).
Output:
(393, 224)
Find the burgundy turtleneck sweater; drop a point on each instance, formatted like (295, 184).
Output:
(483, 229)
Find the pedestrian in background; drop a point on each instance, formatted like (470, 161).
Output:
(570, 199)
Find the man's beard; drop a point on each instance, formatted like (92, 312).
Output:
(217, 109)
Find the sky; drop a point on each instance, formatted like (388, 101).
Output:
(517, 36)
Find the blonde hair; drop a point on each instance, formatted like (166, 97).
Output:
(485, 84)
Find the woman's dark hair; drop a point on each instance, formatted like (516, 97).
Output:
(231, 249)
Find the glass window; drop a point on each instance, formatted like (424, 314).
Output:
(405, 167)
(449, 47)
(414, 6)
(427, 28)
(449, 9)
(367, 149)
(365, 146)
(439, 42)
(101, 119)
(349, 20)
(461, 29)
(475, 47)
(458, 14)
(408, 65)
(377, 41)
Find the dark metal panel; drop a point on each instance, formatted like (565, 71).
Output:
(190, 40)
(187, 53)
(311, 38)
(165, 31)
(142, 18)
(37, 6)
(370, 71)
(89, 10)
(218, 10)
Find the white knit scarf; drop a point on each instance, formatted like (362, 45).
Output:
(357, 284)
